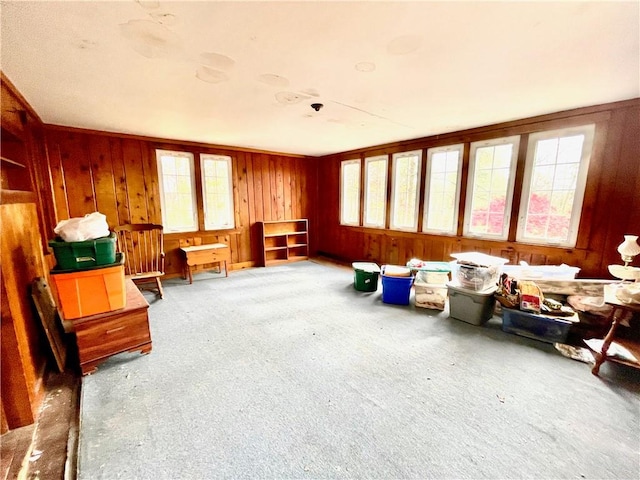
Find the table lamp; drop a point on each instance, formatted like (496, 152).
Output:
(627, 250)
(627, 292)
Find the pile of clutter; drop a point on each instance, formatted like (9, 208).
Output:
(527, 296)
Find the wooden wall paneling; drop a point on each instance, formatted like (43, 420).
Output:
(42, 183)
(279, 164)
(254, 192)
(258, 205)
(267, 204)
(422, 189)
(276, 207)
(464, 178)
(77, 174)
(23, 346)
(120, 182)
(589, 235)
(56, 171)
(243, 238)
(173, 257)
(288, 172)
(517, 190)
(134, 174)
(306, 186)
(151, 183)
(104, 189)
(601, 230)
(294, 196)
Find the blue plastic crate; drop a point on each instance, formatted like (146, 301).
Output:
(396, 290)
(538, 327)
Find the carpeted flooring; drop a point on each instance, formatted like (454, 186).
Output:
(288, 372)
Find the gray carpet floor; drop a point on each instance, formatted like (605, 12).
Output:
(288, 372)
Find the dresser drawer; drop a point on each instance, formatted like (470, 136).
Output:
(213, 255)
(104, 337)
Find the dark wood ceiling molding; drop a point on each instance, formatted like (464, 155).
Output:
(567, 118)
(172, 144)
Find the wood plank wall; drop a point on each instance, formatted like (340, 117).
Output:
(611, 204)
(116, 175)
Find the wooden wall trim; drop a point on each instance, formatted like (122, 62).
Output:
(168, 144)
(579, 116)
(16, 93)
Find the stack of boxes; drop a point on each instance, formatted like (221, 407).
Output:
(88, 278)
(471, 292)
(430, 286)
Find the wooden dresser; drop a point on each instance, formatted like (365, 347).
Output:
(105, 334)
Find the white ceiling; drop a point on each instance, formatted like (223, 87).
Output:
(245, 73)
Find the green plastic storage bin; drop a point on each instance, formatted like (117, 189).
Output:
(365, 276)
(80, 255)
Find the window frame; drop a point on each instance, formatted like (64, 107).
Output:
(473, 147)
(581, 182)
(392, 220)
(459, 147)
(343, 165)
(367, 162)
(228, 160)
(194, 227)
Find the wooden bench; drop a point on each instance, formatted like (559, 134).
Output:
(204, 254)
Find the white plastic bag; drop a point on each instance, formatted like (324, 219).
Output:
(79, 229)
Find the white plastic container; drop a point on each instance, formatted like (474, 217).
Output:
(470, 306)
(476, 271)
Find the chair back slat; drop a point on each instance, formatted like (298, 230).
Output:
(142, 245)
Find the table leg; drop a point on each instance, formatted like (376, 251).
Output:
(602, 356)
(226, 270)
(190, 276)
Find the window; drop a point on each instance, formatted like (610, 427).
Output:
(490, 187)
(177, 191)
(554, 184)
(178, 195)
(444, 166)
(217, 190)
(404, 190)
(375, 191)
(350, 192)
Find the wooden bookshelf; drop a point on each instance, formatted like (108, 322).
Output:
(284, 241)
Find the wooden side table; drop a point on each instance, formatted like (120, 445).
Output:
(617, 313)
(203, 254)
(103, 335)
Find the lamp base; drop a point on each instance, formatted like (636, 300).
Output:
(625, 272)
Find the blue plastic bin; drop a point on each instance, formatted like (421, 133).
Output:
(538, 327)
(396, 290)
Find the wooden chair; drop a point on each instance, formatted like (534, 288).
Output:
(143, 250)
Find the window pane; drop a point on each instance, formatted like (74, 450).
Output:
(217, 191)
(350, 193)
(554, 185)
(375, 191)
(441, 197)
(406, 176)
(490, 188)
(177, 192)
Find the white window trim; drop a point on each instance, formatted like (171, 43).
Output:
(589, 132)
(190, 156)
(343, 164)
(515, 140)
(207, 225)
(396, 156)
(427, 182)
(367, 161)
